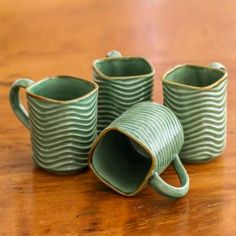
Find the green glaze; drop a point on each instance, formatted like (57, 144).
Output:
(197, 95)
(123, 81)
(136, 147)
(62, 119)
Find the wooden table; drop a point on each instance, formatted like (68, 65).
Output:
(50, 37)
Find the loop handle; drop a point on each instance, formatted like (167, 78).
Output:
(14, 99)
(114, 53)
(170, 191)
(218, 66)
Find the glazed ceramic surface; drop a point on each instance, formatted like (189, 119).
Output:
(136, 147)
(197, 95)
(123, 81)
(62, 119)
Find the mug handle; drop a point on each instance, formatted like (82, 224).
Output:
(14, 99)
(114, 53)
(218, 66)
(170, 191)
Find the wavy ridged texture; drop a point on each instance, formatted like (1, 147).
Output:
(62, 134)
(157, 127)
(117, 95)
(203, 117)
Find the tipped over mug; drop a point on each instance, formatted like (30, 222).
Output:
(61, 117)
(137, 147)
(198, 97)
(123, 82)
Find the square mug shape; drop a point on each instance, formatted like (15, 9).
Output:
(198, 97)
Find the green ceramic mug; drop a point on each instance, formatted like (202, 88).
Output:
(197, 95)
(123, 81)
(136, 147)
(62, 119)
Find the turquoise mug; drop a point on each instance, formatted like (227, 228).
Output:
(198, 97)
(123, 82)
(62, 117)
(137, 147)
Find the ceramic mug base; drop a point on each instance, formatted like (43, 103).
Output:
(200, 161)
(65, 172)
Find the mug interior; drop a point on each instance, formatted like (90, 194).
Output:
(194, 76)
(123, 67)
(61, 88)
(119, 163)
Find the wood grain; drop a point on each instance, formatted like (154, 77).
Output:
(49, 37)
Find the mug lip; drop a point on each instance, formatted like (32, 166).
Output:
(149, 174)
(94, 66)
(31, 94)
(208, 87)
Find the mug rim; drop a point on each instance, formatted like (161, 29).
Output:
(94, 66)
(30, 93)
(204, 88)
(149, 174)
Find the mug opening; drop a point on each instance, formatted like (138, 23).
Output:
(61, 88)
(194, 76)
(123, 67)
(121, 162)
